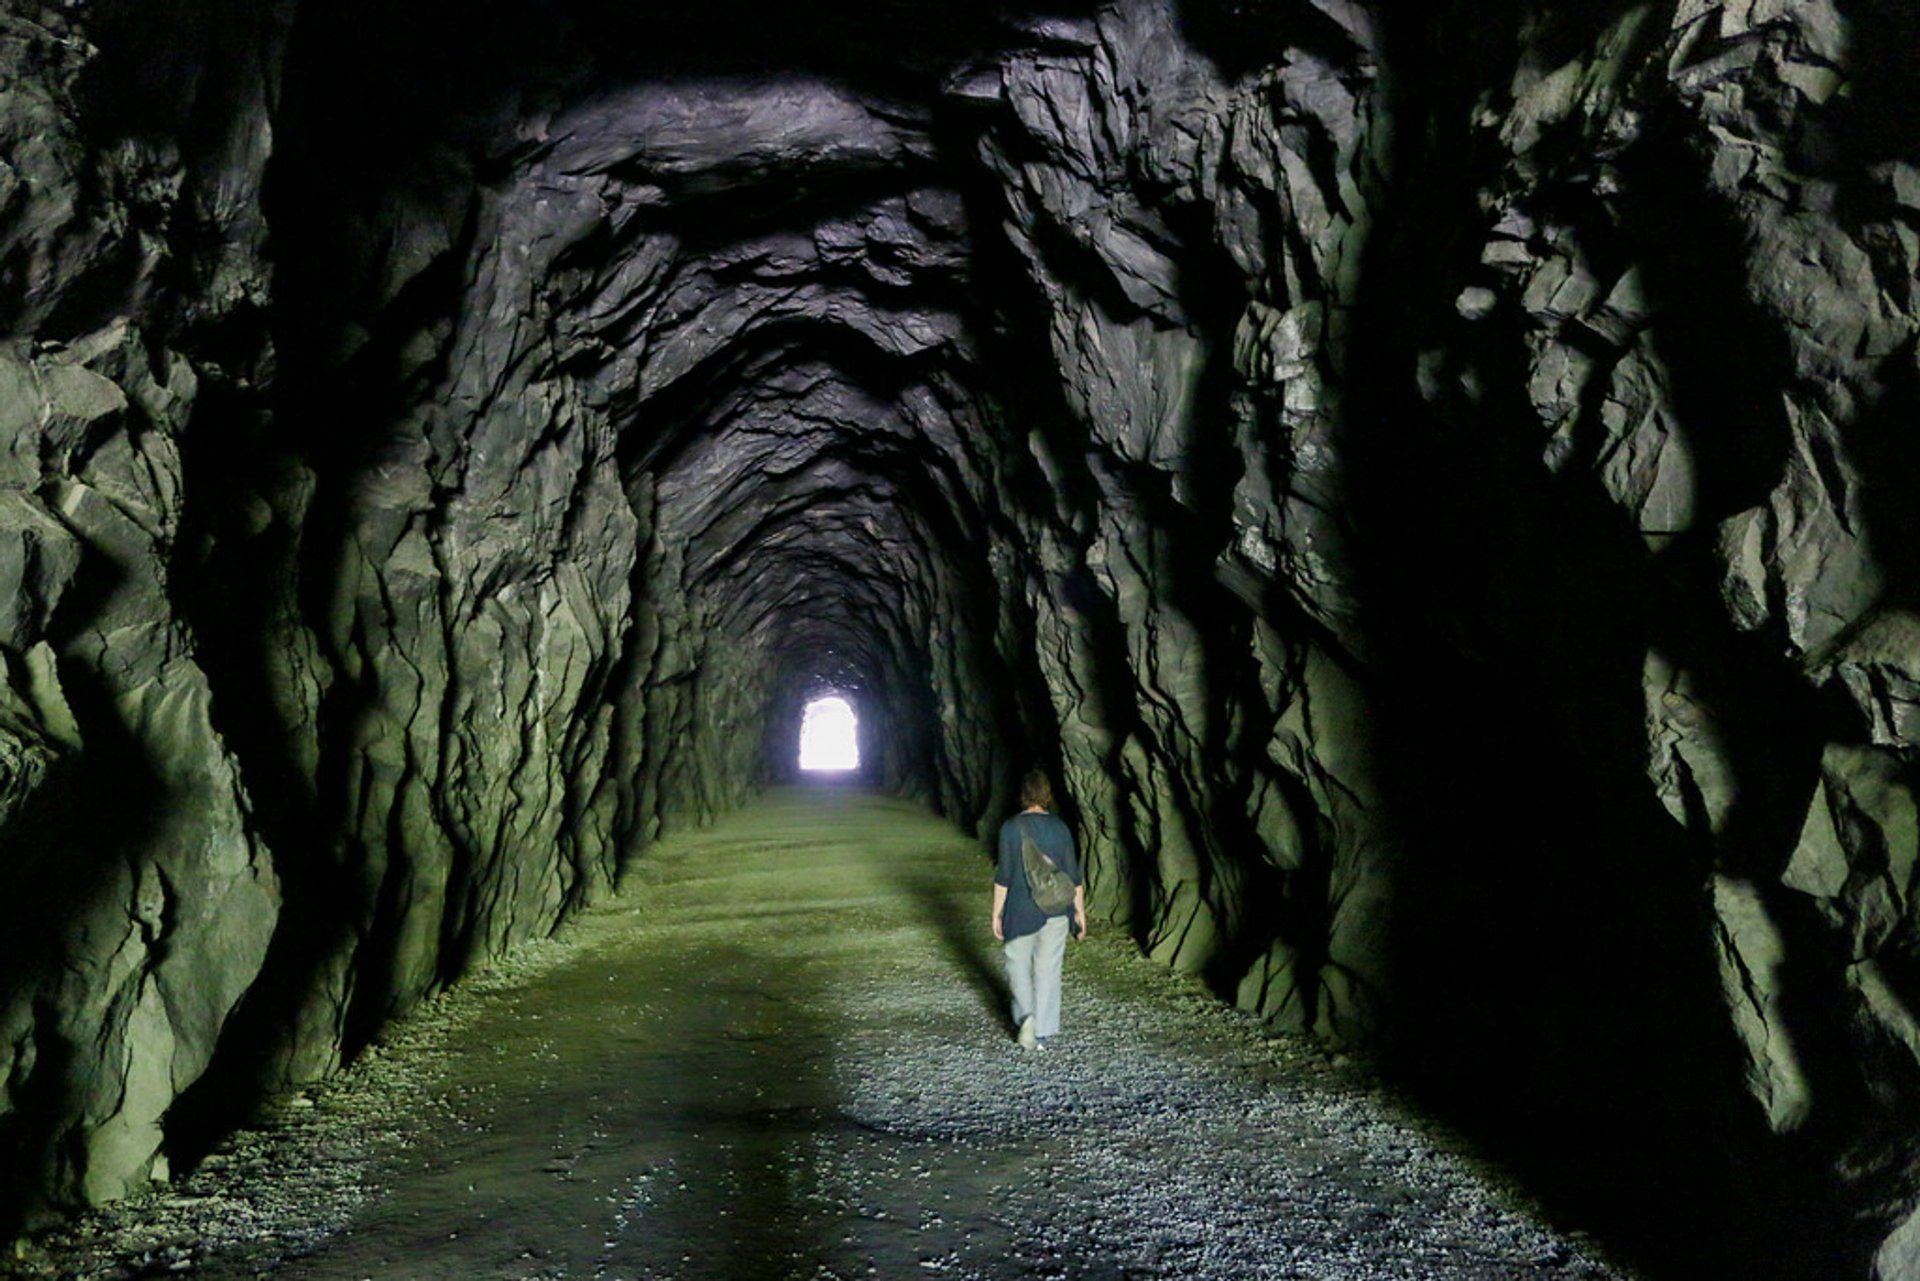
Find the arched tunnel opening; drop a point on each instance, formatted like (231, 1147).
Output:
(829, 740)
(1425, 482)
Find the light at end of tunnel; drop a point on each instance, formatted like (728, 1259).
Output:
(829, 738)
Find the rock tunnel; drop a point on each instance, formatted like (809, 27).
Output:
(1432, 482)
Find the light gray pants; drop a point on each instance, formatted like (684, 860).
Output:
(1033, 972)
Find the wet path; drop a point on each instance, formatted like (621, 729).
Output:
(781, 1054)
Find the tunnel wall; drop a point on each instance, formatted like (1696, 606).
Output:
(351, 643)
(147, 893)
(1193, 246)
(314, 700)
(1469, 591)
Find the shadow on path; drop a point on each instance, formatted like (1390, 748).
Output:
(961, 922)
(781, 1053)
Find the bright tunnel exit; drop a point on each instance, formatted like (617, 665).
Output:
(829, 736)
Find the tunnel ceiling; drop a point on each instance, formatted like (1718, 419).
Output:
(751, 262)
(1432, 482)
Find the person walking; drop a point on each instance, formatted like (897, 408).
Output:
(1033, 910)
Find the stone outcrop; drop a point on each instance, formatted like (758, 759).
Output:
(1429, 481)
(143, 894)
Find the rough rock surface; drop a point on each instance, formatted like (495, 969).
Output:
(1429, 478)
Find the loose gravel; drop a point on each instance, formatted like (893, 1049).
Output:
(782, 1052)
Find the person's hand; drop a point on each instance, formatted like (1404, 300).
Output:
(996, 928)
(1079, 926)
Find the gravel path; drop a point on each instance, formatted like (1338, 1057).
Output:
(781, 1053)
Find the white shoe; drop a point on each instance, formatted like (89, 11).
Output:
(1027, 1039)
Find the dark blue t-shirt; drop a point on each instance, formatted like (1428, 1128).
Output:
(1021, 915)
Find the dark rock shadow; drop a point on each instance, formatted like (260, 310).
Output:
(1555, 982)
(613, 1120)
(962, 928)
(749, 1078)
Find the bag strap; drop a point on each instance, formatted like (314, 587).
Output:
(1029, 846)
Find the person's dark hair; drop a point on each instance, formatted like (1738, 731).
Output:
(1036, 789)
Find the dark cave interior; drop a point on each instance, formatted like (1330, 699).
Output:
(1429, 483)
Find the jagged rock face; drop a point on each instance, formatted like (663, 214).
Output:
(144, 896)
(1671, 312)
(1430, 482)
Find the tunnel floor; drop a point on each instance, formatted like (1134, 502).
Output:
(781, 1053)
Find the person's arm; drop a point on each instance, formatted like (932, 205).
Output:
(999, 905)
(1079, 910)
